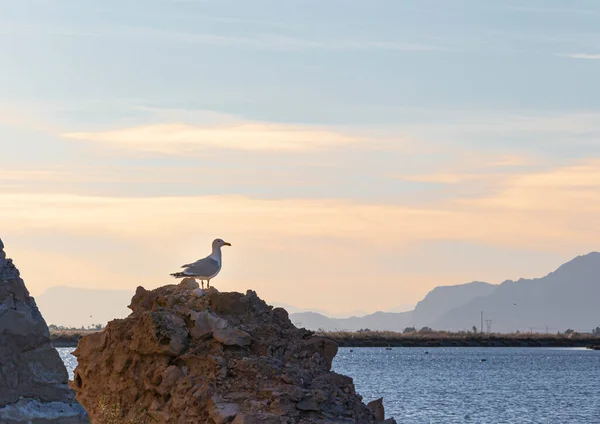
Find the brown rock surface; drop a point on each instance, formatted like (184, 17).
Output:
(33, 378)
(376, 407)
(183, 357)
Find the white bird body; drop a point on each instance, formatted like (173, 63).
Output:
(206, 268)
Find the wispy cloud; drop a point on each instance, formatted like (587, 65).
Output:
(555, 10)
(527, 210)
(256, 40)
(184, 138)
(588, 56)
(447, 178)
(272, 41)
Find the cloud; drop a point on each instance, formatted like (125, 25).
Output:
(23, 175)
(254, 40)
(447, 178)
(523, 210)
(480, 168)
(565, 193)
(184, 138)
(589, 56)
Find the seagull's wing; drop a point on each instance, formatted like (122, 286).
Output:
(205, 268)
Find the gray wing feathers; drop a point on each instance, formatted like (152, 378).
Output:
(206, 268)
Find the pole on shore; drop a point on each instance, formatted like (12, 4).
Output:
(481, 328)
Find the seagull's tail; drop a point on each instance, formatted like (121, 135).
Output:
(179, 275)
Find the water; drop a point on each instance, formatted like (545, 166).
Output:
(453, 385)
(69, 360)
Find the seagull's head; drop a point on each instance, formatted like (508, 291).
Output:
(218, 243)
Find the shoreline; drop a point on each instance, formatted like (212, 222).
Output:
(70, 338)
(390, 339)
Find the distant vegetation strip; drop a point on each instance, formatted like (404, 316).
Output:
(463, 339)
(70, 338)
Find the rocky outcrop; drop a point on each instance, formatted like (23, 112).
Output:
(33, 379)
(376, 408)
(188, 356)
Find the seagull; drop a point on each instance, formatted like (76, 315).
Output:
(207, 268)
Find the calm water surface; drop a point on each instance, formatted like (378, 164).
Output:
(453, 385)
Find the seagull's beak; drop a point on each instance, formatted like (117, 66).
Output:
(226, 244)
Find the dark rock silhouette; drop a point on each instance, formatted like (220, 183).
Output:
(33, 379)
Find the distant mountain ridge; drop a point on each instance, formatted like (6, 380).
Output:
(565, 298)
(436, 303)
(385, 321)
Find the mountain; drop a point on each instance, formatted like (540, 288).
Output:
(74, 307)
(405, 307)
(385, 321)
(565, 298)
(313, 321)
(443, 299)
(435, 304)
(294, 310)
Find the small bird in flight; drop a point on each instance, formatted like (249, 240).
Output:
(207, 268)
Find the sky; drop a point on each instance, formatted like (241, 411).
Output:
(355, 153)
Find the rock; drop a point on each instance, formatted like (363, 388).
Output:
(189, 283)
(161, 331)
(260, 419)
(376, 408)
(308, 404)
(33, 378)
(232, 337)
(198, 292)
(222, 413)
(220, 358)
(325, 347)
(206, 323)
(388, 421)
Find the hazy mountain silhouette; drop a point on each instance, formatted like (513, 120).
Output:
(565, 298)
(435, 304)
(74, 307)
(443, 299)
(389, 321)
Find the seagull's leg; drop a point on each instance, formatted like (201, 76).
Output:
(202, 284)
(207, 284)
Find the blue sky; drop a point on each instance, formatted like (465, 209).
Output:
(436, 141)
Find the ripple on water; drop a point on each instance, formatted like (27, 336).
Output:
(69, 360)
(455, 385)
